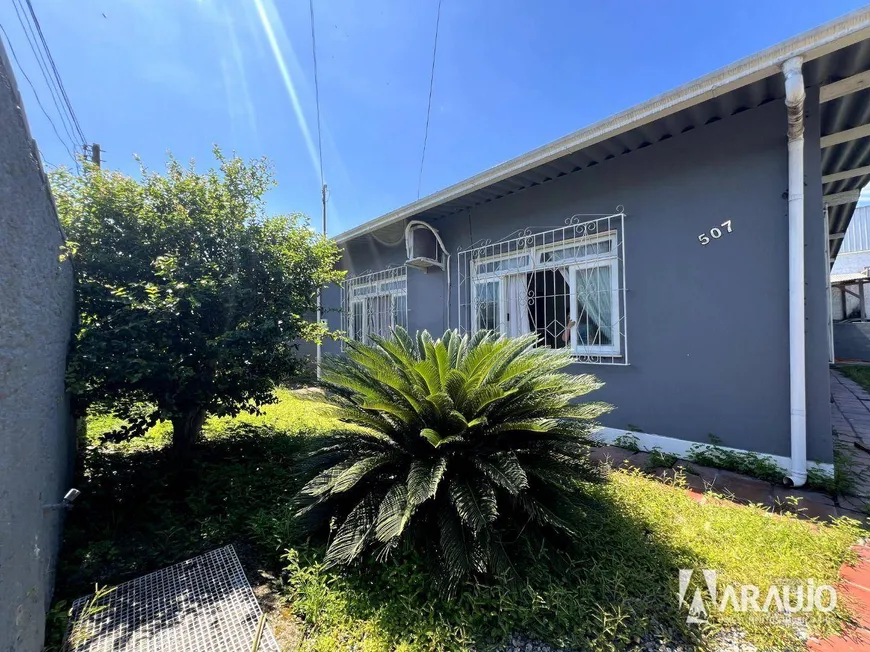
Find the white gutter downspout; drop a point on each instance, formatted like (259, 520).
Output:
(795, 94)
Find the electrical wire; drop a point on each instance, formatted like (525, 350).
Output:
(316, 89)
(56, 73)
(429, 103)
(36, 95)
(43, 67)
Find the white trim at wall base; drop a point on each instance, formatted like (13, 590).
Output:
(680, 447)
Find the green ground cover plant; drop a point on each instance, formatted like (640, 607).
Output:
(618, 584)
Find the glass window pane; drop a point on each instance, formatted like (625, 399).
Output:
(487, 299)
(357, 323)
(595, 306)
(400, 311)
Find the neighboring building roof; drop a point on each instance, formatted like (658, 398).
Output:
(853, 276)
(854, 255)
(833, 51)
(857, 237)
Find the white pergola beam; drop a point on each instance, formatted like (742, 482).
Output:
(846, 174)
(836, 236)
(845, 136)
(843, 87)
(839, 198)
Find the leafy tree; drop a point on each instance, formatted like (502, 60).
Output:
(459, 445)
(191, 299)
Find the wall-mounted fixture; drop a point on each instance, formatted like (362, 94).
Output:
(426, 249)
(424, 246)
(68, 499)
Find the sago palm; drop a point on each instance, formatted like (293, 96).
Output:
(459, 445)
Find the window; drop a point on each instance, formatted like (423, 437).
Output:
(595, 308)
(375, 303)
(565, 285)
(488, 305)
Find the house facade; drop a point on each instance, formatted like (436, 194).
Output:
(657, 246)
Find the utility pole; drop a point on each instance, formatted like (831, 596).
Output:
(319, 292)
(95, 154)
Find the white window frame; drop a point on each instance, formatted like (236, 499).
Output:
(363, 289)
(573, 266)
(615, 348)
(501, 318)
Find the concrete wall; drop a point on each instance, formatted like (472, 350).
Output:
(36, 435)
(707, 325)
(852, 341)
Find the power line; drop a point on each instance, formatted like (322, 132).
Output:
(45, 161)
(43, 67)
(429, 103)
(36, 95)
(56, 73)
(316, 90)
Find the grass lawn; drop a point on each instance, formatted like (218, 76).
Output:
(858, 372)
(138, 512)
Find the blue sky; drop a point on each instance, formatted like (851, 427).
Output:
(148, 76)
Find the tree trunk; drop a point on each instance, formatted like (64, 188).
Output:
(186, 430)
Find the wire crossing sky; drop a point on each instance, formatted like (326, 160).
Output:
(181, 75)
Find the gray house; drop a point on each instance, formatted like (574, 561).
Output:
(657, 246)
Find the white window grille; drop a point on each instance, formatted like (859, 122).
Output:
(565, 284)
(375, 302)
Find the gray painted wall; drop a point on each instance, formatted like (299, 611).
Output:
(707, 325)
(36, 436)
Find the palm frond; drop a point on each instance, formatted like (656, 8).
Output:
(475, 502)
(352, 536)
(424, 476)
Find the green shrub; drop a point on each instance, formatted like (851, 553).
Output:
(745, 462)
(191, 299)
(628, 442)
(465, 445)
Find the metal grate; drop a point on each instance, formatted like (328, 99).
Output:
(204, 604)
(373, 303)
(567, 285)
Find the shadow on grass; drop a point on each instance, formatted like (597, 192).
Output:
(617, 585)
(139, 512)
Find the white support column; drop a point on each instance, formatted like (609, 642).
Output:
(829, 308)
(795, 94)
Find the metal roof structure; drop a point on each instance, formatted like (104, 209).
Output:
(857, 237)
(850, 278)
(837, 58)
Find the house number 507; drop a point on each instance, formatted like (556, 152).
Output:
(715, 233)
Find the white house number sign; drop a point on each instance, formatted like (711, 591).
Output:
(715, 233)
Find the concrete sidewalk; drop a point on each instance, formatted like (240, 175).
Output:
(850, 418)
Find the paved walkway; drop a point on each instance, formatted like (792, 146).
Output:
(850, 418)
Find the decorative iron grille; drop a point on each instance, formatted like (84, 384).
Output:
(567, 285)
(204, 604)
(373, 303)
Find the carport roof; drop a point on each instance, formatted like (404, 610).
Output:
(836, 57)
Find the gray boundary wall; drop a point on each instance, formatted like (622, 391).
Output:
(36, 431)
